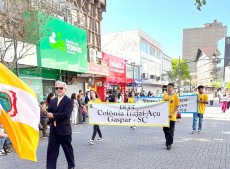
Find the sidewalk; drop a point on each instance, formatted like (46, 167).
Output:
(144, 148)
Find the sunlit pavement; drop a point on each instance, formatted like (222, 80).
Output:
(144, 148)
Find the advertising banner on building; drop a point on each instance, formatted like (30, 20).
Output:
(117, 66)
(188, 103)
(126, 114)
(98, 69)
(65, 47)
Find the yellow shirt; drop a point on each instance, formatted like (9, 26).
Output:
(202, 106)
(95, 101)
(174, 102)
(131, 100)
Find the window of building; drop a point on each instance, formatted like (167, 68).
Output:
(152, 51)
(158, 54)
(1, 5)
(144, 47)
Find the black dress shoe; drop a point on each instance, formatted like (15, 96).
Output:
(168, 147)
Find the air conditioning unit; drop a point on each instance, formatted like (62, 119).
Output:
(92, 55)
(144, 75)
(99, 55)
(152, 76)
(91, 1)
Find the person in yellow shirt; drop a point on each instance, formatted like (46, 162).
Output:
(96, 129)
(131, 99)
(202, 101)
(174, 103)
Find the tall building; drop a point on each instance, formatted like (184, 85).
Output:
(204, 37)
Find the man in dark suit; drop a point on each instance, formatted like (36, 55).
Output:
(59, 113)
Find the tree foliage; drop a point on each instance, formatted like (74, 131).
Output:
(228, 85)
(217, 84)
(179, 70)
(199, 4)
(20, 29)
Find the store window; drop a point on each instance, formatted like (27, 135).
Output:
(48, 87)
(144, 47)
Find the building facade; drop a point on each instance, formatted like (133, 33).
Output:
(194, 38)
(143, 56)
(166, 66)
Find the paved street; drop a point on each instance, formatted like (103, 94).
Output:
(144, 148)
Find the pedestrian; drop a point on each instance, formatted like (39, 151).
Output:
(211, 98)
(3, 137)
(43, 120)
(131, 99)
(59, 113)
(74, 115)
(224, 102)
(87, 98)
(96, 128)
(49, 98)
(202, 101)
(174, 103)
(80, 109)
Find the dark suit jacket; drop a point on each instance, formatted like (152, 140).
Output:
(62, 114)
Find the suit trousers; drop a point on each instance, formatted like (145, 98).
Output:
(169, 133)
(53, 150)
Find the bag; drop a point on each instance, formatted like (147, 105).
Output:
(84, 109)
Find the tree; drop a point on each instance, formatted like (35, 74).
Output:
(199, 4)
(181, 70)
(228, 85)
(22, 26)
(217, 84)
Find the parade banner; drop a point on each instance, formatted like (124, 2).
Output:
(128, 114)
(188, 103)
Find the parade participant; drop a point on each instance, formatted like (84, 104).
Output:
(59, 113)
(131, 99)
(96, 129)
(202, 101)
(49, 98)
(174, 103)
(224, 102)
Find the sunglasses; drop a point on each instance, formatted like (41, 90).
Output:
(60, 88)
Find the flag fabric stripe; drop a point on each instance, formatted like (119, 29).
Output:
(24, 144)
(10, 80)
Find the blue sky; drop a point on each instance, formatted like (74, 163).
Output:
(163, 20)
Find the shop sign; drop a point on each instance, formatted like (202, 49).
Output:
(137, 83)
(64, 48)
(117, 66)
(98, 69)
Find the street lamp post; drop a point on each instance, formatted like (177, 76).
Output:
(179, 73)
(133, 65)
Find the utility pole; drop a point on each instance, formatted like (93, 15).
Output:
(133, 65)
(179, 74)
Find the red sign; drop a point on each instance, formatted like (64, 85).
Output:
(117, 66)
(98, 69)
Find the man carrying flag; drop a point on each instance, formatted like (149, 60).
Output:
(19, 114)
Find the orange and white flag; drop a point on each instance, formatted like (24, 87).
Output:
(19, 114)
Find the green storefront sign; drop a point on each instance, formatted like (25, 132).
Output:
(65, 48)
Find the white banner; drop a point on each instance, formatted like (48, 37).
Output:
(188, 103)
(147, 114)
